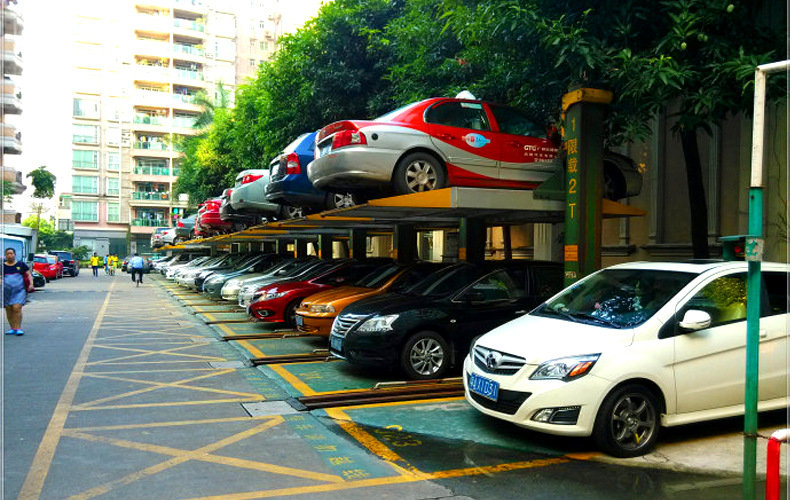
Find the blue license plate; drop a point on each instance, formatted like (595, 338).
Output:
(336, 344)
(299, 320)
(483, 386)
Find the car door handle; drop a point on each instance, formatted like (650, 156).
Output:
(523, 311)
(763, 334)
(446, 137)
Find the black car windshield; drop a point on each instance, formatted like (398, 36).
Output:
(616, 298)
(350, 275)
(415, 276)
(446, 281)
(379, 276)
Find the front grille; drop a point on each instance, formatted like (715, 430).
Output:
(344, 323)
(506, 364)
(508, 402)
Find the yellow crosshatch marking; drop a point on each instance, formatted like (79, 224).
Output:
(147, 352)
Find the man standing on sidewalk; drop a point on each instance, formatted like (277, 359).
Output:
(137, 263)
(95, 264)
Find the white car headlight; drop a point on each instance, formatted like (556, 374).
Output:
(272, 295)
(378, 324)
(321, 308)
(569, 368)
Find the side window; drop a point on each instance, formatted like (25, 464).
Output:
(513, 121)
(723, 298)
(548, 281)
(496, 286)
(775, 284)
(459, 114)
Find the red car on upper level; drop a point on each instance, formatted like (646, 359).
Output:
(278, 302)
(48, 265)
(442, 142)
(209, 221)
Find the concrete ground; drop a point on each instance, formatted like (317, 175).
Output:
(124, 392)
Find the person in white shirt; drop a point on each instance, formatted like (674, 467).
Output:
(137, 264)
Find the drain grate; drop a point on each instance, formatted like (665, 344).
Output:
(266, 408)
(227, 364)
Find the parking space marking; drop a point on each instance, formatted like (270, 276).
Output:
(172, 403)
(257, 353)
(148, 352)
(175, 423)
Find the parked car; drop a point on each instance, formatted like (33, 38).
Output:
(178, 259)
(316, 313)
(209, 222)
(442, 142)
(186, 275)
(238, 220)
(234, 262)
(631, 348)
(48, 266)
(213, 285)
(70, 264)
(185, 228)
(292, 190)
(39, 281)
(300, 271)
(248, 197)
(156, 237)
(170, 272)
(278, 302)
(168, 237)
(428, 328)
(233, 287)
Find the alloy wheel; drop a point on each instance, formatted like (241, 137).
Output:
(421, 176)
(427, 356)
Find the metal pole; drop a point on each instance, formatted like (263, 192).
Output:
(754, 254)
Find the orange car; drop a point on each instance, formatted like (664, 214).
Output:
(317, 312)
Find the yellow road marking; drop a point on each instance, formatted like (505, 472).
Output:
(293, 380)
(172, 403)
(396, 403)
(253, 350)
(155, 371)
(177, 423)
(166, 352)
(34, 482)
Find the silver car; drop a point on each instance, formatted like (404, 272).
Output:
(249, 194)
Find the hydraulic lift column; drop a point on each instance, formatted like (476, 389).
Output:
(300, 246)
(358, 244)
(472, 240)
(324, 246)
(405, 242)
(584, 111)
(282, 248)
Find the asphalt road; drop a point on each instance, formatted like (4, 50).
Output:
(117, 392)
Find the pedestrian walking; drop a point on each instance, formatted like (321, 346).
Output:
(113, 264)
(106, 264)
(17, 282)
(95, 264)
(137, 263)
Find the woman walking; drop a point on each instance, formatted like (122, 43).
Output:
(15, 290)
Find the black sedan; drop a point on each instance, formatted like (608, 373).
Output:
(429, 328)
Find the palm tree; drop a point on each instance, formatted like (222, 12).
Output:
(44, 188)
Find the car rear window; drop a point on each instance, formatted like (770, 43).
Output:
(40, 260)
(469, 115)
(52, 260)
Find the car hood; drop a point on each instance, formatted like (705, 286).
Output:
(342, 294)
(289, 286)
(538, 339)
(388, 303)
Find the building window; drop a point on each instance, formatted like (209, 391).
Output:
(85, 159)
(264, 46)
(65, 225)
(85, 211)
(85, 134)
(113, 212)
(81, 184)
(252, 63)
(113, 136)
(86, 108)
(113, 161)
(113, 186)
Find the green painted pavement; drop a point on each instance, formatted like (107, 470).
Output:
(245, 328)
(206, 317)
(280, 346)
(320, 377)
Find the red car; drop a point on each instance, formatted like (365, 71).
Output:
(208, 221)
(48, 265)
(442, 142)
(278, 302)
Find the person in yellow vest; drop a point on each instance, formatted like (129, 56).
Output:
(113, 259)
(95, 262)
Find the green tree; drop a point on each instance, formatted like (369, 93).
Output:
(44, 188)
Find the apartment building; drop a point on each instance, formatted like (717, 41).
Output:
(10, 135)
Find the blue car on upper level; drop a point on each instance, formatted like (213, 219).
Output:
(290, 187)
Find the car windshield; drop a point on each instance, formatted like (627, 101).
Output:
(350, 275)
(379, 276)
(616, 298)
(415, 276)
(445, 281)
(289, 267)
(52, 260)
(40, 260)
(392, 114)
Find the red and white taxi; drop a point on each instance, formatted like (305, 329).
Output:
(442, 142)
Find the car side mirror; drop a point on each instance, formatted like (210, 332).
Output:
(474, 296)
(695, 320)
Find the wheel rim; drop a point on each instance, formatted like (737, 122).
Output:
(633, 421)
(343, 200)
(426, 356)
(293, 212)
(421, 176)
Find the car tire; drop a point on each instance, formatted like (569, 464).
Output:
(628, 422)
(418, 172)
(426, 355)
(289, 212)
(341, 200)
(289, 315)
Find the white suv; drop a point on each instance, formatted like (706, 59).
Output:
(631, 348)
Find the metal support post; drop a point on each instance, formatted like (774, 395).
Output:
(324, 246)
(472, 240)
(282, 248)
(584, 111)
(405, 242)
(301, 248)
(269, 247)
(507, 242)
(358, 244)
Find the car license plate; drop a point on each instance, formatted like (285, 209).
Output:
(483, 386)
(299, 320)
(336, 344)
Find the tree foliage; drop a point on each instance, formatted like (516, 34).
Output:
(43, 182)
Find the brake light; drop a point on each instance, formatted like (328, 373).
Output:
(179, 223)
(228, 193)
(292, 165)
(250, 178)
(348, 138)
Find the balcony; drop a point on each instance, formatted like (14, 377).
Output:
(12, 140)
(150, 223)
(151, 23)
(188, 27)
(12, 19)
(151, 195)
(11, 98)
(151, 73)
(150, 123)
(151, 170)
(152, 48)
(188, 52)
(191, 5)
(84, 139)
(151, 145)
(153, 98)
(190, 77)
(12, 57)
(184, 122)
(13, 178)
